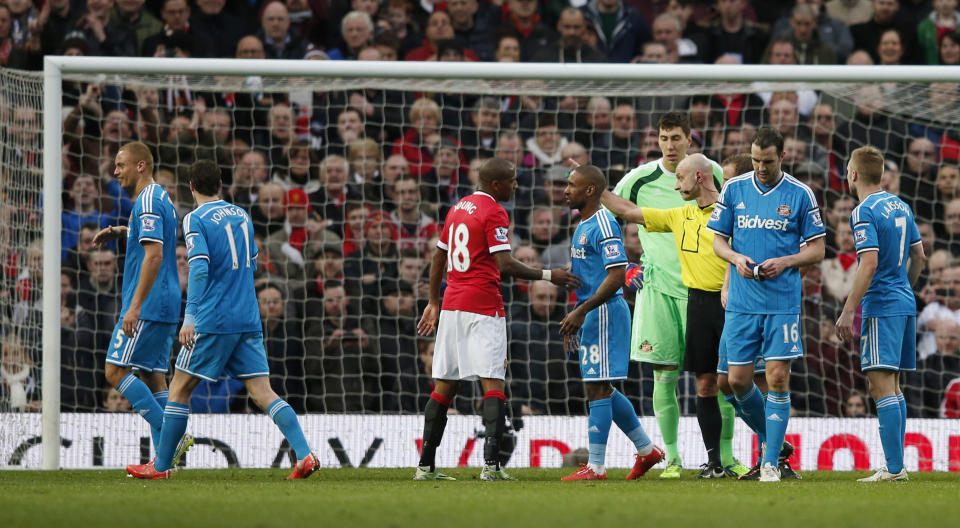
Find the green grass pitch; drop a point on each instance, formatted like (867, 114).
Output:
(388, 498)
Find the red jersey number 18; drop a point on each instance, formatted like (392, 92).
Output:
(458, 258)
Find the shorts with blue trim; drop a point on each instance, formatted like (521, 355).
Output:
(241, 355)
(147, 351)
(888, 343)
(604, 342)
(759, 365)
(773, 337)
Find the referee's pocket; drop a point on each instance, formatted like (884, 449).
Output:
(691, 237)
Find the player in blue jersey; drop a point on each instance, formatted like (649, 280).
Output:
(221, 329)
(767, 224)
(150, 309)
(890, 258)
(599, 327)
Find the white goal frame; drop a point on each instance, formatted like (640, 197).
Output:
(56, 66)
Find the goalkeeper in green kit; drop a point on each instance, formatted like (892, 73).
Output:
(660, 313)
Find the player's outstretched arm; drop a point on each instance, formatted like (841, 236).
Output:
(811, 253)
(109, 233)
(861, 282)
(917, 262)
(574, 320)
(152, 258)
(744, 264)
(622, 207)
(514, 268)
(431, 314)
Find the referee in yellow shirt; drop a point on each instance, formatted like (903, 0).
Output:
(702, 272)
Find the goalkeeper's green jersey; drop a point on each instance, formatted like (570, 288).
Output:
(652, 185)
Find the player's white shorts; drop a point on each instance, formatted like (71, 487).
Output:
(470, 346)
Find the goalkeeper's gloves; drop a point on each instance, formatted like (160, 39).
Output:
(634, 277)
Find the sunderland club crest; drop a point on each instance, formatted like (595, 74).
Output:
(784, 210)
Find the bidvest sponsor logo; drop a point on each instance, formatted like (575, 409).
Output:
(755, 222)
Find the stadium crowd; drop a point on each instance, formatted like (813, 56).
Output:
(347, 189)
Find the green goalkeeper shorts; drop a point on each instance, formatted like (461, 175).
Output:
(659, 327)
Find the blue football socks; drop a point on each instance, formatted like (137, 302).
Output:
(626, 419)
(888, 412)
(175, 417)
(283, 415)
(777, 417)
(161, 397)
(598, 429)
(903, 417)
(139, 395)
(750, 405)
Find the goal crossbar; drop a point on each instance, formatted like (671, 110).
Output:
(502, 71)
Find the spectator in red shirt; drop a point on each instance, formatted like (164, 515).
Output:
(439, 27)
(950, 408)
(355, 216)
(942, 20)
(288, 246)
(523, 17)
(418, 142)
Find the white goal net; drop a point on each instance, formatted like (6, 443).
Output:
(348, 179)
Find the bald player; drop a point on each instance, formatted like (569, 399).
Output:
(150, 309)
(659, 315)
(702, 272)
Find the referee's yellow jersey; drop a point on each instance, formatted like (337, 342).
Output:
(700, 267)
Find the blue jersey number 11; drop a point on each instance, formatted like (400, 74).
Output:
(233, 244)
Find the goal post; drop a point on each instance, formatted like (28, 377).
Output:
(582, 80)
(53, 207)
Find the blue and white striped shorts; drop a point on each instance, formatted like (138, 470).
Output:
(148, 350)
(888, 343)
(605, 342)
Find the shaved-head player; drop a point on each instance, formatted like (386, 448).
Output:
(660, 313)
(702, 273)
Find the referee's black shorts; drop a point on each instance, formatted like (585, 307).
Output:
(705, 316)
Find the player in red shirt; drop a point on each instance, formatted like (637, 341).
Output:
(474, 249)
